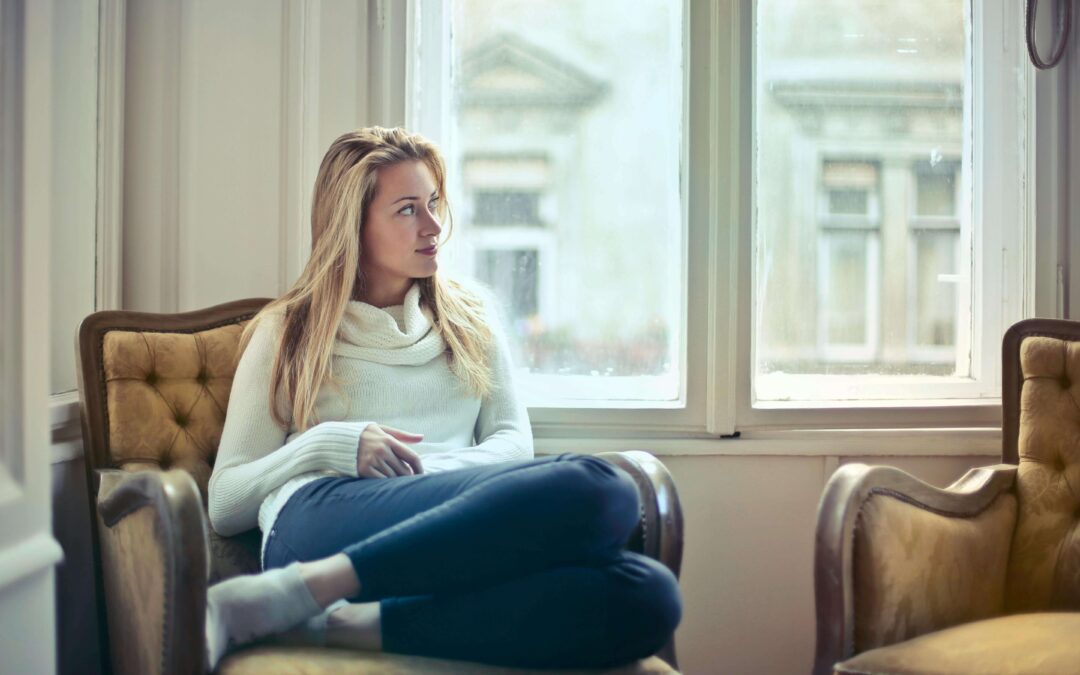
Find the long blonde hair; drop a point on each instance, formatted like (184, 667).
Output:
(314, 306)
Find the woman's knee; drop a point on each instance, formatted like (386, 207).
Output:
(606, 497)
(645, 606)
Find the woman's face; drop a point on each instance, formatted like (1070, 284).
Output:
(401, 230)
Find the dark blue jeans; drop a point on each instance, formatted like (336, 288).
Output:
(516, 564)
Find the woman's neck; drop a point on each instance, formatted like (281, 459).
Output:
(383, 294)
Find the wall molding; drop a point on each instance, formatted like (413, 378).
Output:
(174, 152)
(301, 22)
(112, 50)
(388, 34)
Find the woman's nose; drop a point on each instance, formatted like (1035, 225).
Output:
(431, 223)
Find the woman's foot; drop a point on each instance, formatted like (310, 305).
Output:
(243, 609)
(355, 626)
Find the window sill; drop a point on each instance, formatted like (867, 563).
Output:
(980, 441)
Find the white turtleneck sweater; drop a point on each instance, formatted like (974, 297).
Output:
(392, 367)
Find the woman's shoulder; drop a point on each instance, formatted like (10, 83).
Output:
(265, 329)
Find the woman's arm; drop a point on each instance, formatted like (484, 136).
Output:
(502, 430)
(253, 458)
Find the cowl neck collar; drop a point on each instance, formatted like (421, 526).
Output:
(399, 335)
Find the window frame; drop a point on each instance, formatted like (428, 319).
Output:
(997, 47)
(718, 202)
(425, 112)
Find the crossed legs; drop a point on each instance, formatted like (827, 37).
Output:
(526, 551)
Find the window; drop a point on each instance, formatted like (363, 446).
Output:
(848, 269)
(826, 204)
(506, 207)
(871, 261)
(576, 225)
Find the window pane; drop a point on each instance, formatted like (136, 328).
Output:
(936, 190)
(512, 274)
(859, 151)
(844, 291)
(935, 288)
(506, 207)
(572, 220)
(848, 202)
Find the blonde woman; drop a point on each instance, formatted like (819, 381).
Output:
(374, 435)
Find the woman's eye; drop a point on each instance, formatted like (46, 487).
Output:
(433, 204)
(408, 210)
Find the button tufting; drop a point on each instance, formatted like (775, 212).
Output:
(1065, 382)
(151, 378)
(1059, 464)
(181, 419)
(201, 378)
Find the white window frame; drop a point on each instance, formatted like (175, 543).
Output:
(718, 205)
(707, 297)
(968, 405)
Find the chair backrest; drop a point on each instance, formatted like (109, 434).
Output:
(1041, 433)
(153, 391)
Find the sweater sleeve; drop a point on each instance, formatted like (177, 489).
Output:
(253, 457)
(502, 432)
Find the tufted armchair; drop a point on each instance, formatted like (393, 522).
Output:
(983, 576)
(153, 391)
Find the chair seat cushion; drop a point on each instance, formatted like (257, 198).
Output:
(1020, 644)
(266, 660)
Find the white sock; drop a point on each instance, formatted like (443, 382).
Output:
(311, 633)
(243, 609)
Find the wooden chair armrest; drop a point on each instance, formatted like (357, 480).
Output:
(659, 533)
(152, 535)
(844, 497)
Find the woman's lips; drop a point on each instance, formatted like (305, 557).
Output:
(430, 250)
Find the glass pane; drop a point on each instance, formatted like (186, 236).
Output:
(936, 191)
(844, 296)
(935, 288)
(505, 207)
(860, 132)
(848, 202)
(574, 222)
(512, 274)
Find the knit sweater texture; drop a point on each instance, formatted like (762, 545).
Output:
(392, 368)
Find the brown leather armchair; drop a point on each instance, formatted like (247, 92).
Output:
(153, 392)
(983, 576)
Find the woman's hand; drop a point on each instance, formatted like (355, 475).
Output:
(382, 453)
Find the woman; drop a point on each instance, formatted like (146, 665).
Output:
(401, 506)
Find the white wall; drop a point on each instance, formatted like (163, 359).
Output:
(747, 576)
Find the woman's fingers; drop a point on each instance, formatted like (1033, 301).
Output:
(380, 464)
(406, 436)
(396, 465)
(372, 472)
(408, 456)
